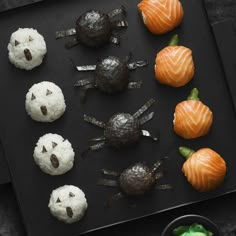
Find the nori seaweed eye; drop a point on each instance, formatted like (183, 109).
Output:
(54, 144)
(44, 149)
(58, 200)
(30, 38)
(48, 92)
(32, 97)
(17, 42)
(71, 194)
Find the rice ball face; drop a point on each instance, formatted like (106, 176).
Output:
(68, 204)
(26, 48)
(45, 102)
(53, 154)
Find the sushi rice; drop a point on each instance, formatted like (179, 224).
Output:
(68, 204)
(27, 48)
(53, 154)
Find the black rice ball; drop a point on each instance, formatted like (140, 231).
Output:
(93, 28)
(112, 75)
(122, 130)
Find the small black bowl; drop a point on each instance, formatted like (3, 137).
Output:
(189, 220)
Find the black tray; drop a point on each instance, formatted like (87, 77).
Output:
(6, 5)
(225, 39)
(19, 133)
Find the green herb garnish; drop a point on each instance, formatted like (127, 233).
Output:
(192, 230)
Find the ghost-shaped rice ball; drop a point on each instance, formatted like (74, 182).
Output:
(54, 154)
(68, 204)
(26, 48)
(45, 102)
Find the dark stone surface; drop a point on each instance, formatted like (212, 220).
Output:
(10, 4)
(221, 210)
(219, 10)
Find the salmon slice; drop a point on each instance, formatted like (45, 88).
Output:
(193, 119)
(174, 66)
(161, 16)
(205, 170)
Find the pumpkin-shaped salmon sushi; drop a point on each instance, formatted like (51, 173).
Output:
(161, 16)
(192, 118)
(204, 169)
(174, 64)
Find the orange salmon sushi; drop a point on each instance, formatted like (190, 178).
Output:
(204, 169)
(192, 118)
(161, 16)
(174, 64)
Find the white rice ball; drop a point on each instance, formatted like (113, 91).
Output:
(68, 204)
(26, 48)
(53, 154)
(45, 102)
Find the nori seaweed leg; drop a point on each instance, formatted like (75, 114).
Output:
(135, 85)
(117, 12)
(93, 121)
(115, 197)
(65, 33)
(156, 165)
(145, 107)
(83, 82)
(110, 172)
(84, 90)
(164, 187)
(147, 134)
(97, 146)
(119, 24)
(86, 68)
(137, 64)
(127, 58)
(115, 39)
(146, 118)
(158, 175)
(118, 196)
(107, 182)
(102, 138)
(72, 43)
